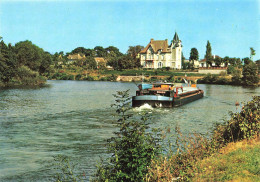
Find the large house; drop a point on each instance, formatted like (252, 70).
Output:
(158, 54)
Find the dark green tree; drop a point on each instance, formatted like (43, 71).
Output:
(133, 52)
(100, 51)
(194, 54)
(29, 55)
(8, 62)
(246, 60)
(218, 61)
(252, 53)
(250, 75)
(182, 61)
(91, 63)
(208, 55)
(112, 51)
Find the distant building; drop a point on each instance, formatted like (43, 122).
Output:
(75, 57)
(158, 54)
(203, 62)
(102, 62)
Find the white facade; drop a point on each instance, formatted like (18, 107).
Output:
(158, 54)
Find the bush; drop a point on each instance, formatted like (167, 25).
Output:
(89, 78)
(132, 148)
(241, 125)
(112, 78)
(78, 77)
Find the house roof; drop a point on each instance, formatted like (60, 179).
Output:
(100, 60)
(156, 46)
(76, 56)
(176, 37)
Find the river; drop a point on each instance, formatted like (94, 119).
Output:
(74, 118)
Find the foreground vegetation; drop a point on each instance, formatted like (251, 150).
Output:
(137, 153)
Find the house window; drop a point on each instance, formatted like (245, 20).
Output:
(160, 65)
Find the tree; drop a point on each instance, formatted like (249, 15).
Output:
(29, 55)
(112, 51)
(133, 51)
(182, 61)
(208, 55)
(100, 51)
(250, 76)
(218, 61)
(246, 60)
(8, 62)
(252, 53)
(194, 54)
(82, 50)
(91, 63)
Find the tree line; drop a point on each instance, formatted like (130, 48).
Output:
(27, 64)
(111, 54)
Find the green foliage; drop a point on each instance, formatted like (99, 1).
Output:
(91, 63)
(8, 62)
(208, 55)
(65, 170)
(236, 78)
(194, 54)
(245, 124)
(89, 78)
(62, 76)
(132, 148)
(252, 53)
(250, 75)
(183, 164)
(78, 77)
(218, 61)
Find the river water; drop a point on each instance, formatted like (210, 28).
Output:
(74, 118)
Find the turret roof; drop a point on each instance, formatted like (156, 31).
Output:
(176, 37)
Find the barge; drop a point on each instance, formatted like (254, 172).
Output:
(165, 95)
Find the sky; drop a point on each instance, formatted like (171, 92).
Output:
(231, 26)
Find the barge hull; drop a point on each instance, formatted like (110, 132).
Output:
(181, 100)
(152, 100)
(162, 101)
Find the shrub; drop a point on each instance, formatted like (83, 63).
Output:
(132, 148)
(112, 78)
(78, 77)
(241, 125)
(89, 78)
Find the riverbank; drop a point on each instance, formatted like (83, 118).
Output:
(138, 75)
(238, 161)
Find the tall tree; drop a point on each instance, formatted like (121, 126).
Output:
(194, 54)
(183, 65)
(208, 55)
(252, 53)
(250, 76)
(133, 52)
(100, 51)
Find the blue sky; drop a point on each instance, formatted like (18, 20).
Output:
(231, 26)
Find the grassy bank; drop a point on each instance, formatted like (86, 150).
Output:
(238, 161)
